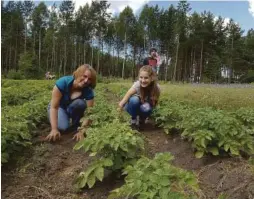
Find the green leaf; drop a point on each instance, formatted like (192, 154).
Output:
(164, 192)
(199, 154)
(91, 180)
(221, 142)
(108, 162)
(203, 142)
(92, 154)
(234, 151)
(82, 180)
(213, 150)
(164, 181)
(99, 173)
(226, 147)
(192, 182)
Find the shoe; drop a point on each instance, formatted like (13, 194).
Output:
(134, 127)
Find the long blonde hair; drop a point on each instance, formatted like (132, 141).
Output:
(152, 90)
(80, 71)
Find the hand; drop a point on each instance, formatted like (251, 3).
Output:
(86, 123)
(78, 136)
(53, 135)
(120, 108)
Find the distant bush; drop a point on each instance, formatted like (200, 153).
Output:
(17, 75)
(248, 78)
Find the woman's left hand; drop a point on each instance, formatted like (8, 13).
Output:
(78, 136)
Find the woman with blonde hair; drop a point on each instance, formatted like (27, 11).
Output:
(142, 97)
(71, 96)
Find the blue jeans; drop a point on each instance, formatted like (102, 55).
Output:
(75, 111)
(134, 108)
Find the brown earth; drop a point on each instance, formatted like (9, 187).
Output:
(48, 170)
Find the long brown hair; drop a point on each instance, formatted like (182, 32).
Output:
(80, 71)
(151, 90)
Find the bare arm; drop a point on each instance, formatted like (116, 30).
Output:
(86, 122)
(55, 101)
(127, 96)
(80, 135)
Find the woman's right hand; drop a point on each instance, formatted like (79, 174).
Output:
(120, 107)
(53, 135)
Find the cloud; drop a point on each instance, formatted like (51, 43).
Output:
(79, 3)
(226, 20)
(134, 4)
(115, 6)
(251, 7)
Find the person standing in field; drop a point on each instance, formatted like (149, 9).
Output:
(152, 60)
(71, 96)
(141, 98)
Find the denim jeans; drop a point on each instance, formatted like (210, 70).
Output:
(134, 108)
(74, 111)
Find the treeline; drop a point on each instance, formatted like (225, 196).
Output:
(196, 47)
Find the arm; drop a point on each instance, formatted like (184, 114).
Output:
(80, 135)
(87, 122)
(55, 101)
(129, 93)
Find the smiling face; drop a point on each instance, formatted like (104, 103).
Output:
(153, 53)
(84, 79)
(144, 79)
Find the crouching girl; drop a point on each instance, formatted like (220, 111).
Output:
(142, 97)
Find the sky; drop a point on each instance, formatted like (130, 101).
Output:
(241, 12)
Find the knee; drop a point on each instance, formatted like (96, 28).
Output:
(134, 100)
(63, 126)
(146, 108)
(78, 104)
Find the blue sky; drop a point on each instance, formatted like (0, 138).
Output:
(240, 11)
(237, 10)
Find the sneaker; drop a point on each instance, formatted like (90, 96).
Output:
(133, 124)
(142, 121)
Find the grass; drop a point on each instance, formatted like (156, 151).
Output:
(202, 96)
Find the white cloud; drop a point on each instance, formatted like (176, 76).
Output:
(79, 3)
(134, 4)
(115, 6)
(226, 20)
(251, 7)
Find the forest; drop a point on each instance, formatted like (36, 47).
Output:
(194, 47)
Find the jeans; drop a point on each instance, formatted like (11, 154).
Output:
(134, 108)
(74, 111)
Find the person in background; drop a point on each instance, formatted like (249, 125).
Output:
(152, 59)
(47, 74)
(71, 96)
(141, 98)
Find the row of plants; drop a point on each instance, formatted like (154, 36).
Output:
(17, 92)
(115, 147)
(18, 121)
(210, 130)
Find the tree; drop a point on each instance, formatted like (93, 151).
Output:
(39, 21)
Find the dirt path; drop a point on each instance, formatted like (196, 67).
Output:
(48, 171)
